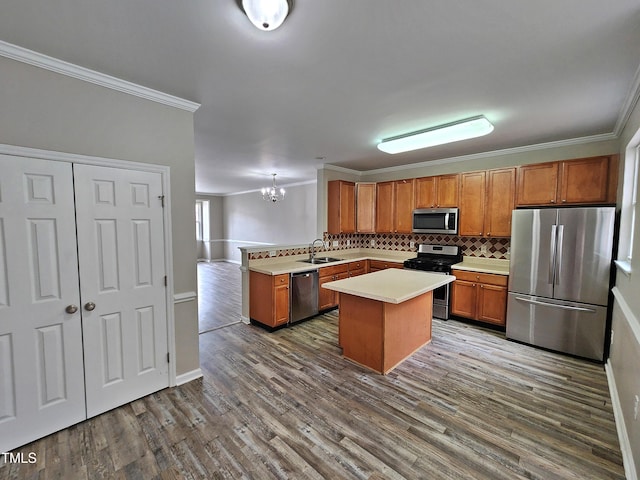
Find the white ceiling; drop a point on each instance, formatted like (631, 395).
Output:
(340, 75)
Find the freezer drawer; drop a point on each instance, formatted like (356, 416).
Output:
(574, 328)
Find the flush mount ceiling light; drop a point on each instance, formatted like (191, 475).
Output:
(266, 14)
(447, 133)
(273, 193)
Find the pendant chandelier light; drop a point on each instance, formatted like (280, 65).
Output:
(273, 193)
(266, 14)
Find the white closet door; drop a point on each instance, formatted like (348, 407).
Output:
(41, 371)
(121, 254)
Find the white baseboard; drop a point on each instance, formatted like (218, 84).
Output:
(245, 319)
(623, 436)
(188, 376)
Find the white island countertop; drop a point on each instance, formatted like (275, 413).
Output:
(391, 286)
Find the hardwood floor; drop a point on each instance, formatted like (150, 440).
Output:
(219, 295)
(470, 405)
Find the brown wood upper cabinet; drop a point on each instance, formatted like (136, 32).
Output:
(486, 202)
(437, 192)
(365, 207)
(394, 206)
(341, 207)
(570, 182)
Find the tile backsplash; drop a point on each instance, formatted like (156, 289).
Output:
(471, 246)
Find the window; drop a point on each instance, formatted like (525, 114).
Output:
(633, 205)
(629, 205)
(199, 235)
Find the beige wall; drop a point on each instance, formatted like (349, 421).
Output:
(625, 347)
(45, 110)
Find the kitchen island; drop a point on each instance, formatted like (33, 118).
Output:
(385, 316)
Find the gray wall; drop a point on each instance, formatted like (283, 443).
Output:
(49, 111)
(625, 348)
(249, 220)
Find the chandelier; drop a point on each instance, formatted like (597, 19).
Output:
(273, 193)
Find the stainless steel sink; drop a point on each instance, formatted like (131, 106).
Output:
(321, 260)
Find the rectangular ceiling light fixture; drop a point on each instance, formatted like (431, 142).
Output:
(447, 133)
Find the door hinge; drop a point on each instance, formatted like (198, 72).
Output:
(161, 197)
(165, 280)
(168, 358)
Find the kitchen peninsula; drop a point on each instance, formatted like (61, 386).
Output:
(385, 316)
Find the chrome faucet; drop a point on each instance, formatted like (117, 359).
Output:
(312, 252)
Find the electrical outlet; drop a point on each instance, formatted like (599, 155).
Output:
(272, 253)
(483, 248)
(412, 244)
(635, 408)
(373, 242)
(348, 242)
(335, 243)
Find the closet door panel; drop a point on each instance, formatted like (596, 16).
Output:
(41, 367)
(121, 251)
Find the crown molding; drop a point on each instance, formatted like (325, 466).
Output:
(493, 153)
(630, 102)
(337, 168)
(287, 185)
(46, 62)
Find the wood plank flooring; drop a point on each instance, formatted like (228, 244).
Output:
(219, 295)
(286, 405)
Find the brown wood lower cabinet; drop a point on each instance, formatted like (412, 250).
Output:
(358, 268)
(328, 298)
(480, 296)
(269, 298)
(375, 265)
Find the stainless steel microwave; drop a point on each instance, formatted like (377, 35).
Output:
(435, 220)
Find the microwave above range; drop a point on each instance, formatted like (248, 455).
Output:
(435, 220)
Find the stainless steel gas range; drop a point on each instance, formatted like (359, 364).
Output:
(437, 259)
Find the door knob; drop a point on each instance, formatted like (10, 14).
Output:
(71, 309)
(89, 306)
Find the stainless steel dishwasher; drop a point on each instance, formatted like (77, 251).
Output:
(304, 295)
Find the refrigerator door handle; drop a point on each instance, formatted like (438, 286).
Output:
(564, 307)
(552, 253)
(559, 254)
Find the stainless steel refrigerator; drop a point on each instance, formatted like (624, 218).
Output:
(559, 278)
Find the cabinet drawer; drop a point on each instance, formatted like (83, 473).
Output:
(488, 278)
(381, 265)
(359, 265)
(333, 270)
(282, 279)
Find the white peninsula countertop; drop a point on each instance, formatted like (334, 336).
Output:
(390, 286)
